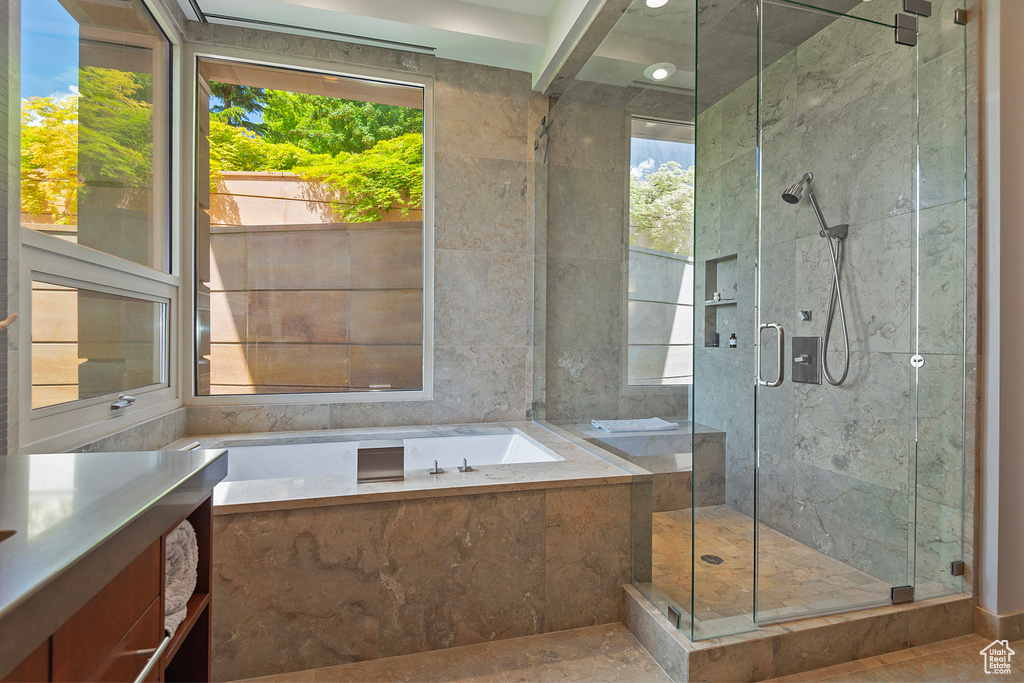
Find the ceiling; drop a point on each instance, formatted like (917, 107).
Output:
(526, 35)
(727, 49)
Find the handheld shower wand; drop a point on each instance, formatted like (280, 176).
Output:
(838, 233)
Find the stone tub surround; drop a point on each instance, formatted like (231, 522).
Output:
(321, 571)
(580, 467)
(322, 580)
(797, 646)
(678, 474)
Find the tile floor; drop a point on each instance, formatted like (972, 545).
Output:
(597, 653)
(610, 653)
(794, 578)
(958, 659)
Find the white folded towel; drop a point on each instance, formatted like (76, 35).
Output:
(181, 574)
(654, 424)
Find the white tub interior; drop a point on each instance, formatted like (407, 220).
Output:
(295, 460)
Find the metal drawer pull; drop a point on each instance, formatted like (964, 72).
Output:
(157, 654)
(782, 355)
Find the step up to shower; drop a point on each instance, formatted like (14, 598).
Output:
(797, 646)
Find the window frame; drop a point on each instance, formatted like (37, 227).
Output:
(627, 388)
(48, 258)
(195, 52)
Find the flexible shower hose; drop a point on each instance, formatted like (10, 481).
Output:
(836, 252)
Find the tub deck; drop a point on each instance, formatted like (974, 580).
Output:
(579, 468)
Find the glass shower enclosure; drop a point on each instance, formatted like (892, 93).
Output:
(817, 465)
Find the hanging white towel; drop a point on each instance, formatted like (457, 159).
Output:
(654, 424)
(181, 574)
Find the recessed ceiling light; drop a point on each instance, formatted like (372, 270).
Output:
(655, 4)
(659, 71)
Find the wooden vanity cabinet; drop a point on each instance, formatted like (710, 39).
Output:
(121, 629)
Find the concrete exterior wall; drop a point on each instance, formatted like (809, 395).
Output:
(300, 301)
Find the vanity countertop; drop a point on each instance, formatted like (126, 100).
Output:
(78, 520)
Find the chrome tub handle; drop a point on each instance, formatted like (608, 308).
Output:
(782, 355)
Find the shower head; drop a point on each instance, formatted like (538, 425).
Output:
(794, 194)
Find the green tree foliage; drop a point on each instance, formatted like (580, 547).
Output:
(369, 155)
(103, 134)
(236, 149)
(237, 103)
(387, 176)
(367, 186)
(328, 125)
(49, 157)
(661, 208)
(115, 133)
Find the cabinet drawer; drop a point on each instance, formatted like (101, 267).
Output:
(125, 662)
(84, 642)
(35, 668)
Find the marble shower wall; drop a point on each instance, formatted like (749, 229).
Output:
(838, 463)
(484, 119)
(319, 586)
(583, 250)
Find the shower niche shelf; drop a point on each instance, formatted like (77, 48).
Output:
(720, 275)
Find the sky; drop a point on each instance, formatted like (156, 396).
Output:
(645, 156)
(49, 49)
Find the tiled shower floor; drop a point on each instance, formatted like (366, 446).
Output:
(793, 578)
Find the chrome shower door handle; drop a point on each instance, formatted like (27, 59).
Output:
(782, 355)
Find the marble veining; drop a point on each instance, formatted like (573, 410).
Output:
(325, 585)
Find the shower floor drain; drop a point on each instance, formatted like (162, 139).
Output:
(712, 559)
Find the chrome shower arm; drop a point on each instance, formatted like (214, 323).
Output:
(817, 212)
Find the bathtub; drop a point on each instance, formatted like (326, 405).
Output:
(332, 458)
(296, 535)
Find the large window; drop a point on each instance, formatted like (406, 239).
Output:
(660, 297)
(95, 211)
(310, 249)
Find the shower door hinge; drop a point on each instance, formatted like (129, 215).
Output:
(921, 7)
(675, 615)
(901, 594)
(960, 16)
(957, 568)
(906, 29)
(532, 411)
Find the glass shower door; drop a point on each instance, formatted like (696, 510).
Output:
(834, 434)
(944, 328)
